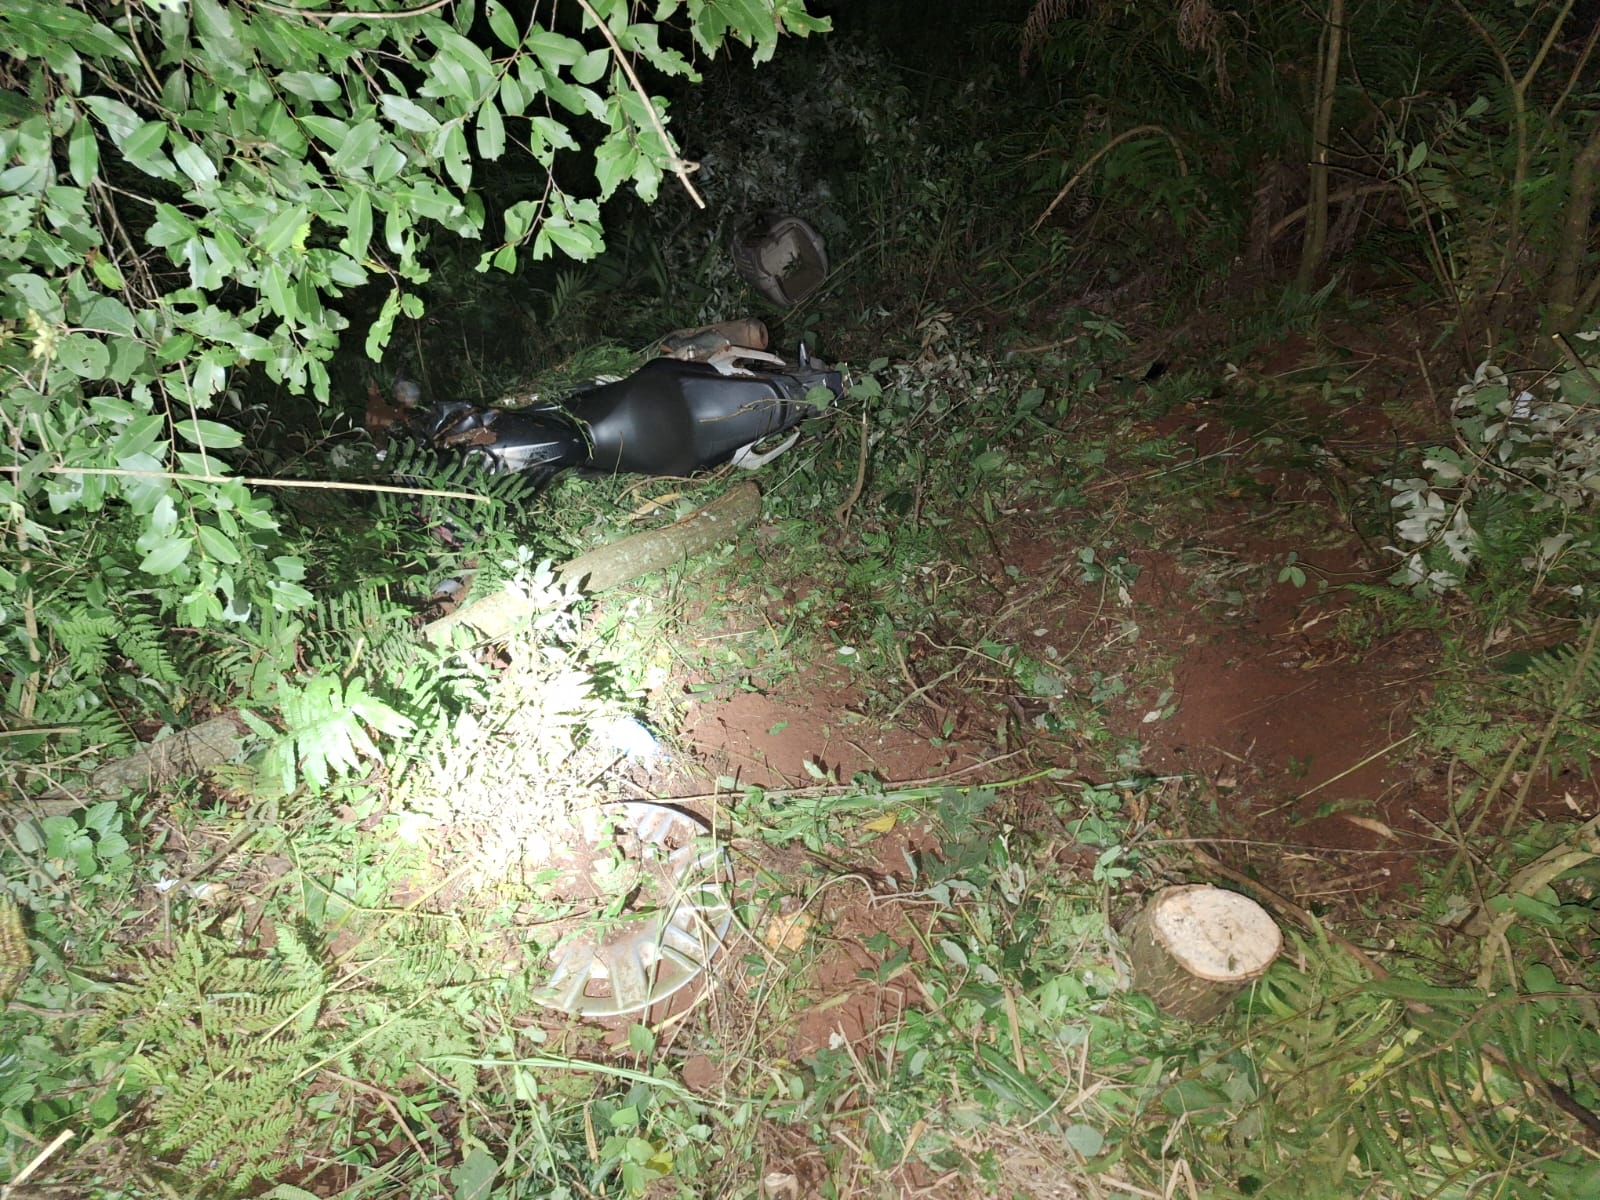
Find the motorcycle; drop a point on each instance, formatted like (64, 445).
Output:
(713, 395)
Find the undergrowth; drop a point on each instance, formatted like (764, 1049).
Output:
(320, 972)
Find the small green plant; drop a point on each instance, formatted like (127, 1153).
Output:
(225, 1048)
(86, 846)
(1511, 512)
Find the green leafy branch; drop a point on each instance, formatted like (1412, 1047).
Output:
(325, 730)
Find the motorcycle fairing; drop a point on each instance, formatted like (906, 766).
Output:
(667, 418)
(537, 442)
(675, 418)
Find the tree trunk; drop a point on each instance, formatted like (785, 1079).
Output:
(185, 754)
(1561, 312)
(616, 562)
(1193, 947)
(1316, 242)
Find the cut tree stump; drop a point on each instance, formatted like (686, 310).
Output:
(1193, 947)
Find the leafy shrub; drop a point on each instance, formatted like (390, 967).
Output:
(1511, 512)
(191, 206)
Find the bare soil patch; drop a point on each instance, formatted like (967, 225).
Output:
(765, 738)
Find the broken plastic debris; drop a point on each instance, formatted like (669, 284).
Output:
(629, 738)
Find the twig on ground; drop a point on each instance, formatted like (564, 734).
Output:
(841, 513)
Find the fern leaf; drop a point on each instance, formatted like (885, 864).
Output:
(1036, 29)
(141, 640)
(325, 731)
(225, 1043)
(86, 637)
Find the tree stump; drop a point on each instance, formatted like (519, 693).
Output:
(1193, 947)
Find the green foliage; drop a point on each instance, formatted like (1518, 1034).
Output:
(87, 845)
(1462, 108)
(1342, 1083)
(1485, 163)
(1510, 513)
(1174, 117)
(67, 874)
(237, 1049)
(1013, 960)
(326, 730)
(190, 194)
(490, 521)
(520, 753)
(1562, 681)
(222, 1046)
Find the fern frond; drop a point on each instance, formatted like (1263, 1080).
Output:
(223, 1044)
(1036, 29)
(1550, 674)
(325, 731)
(141, 639)
(1399, 608)
(1562, 683)
(571, 289)
(362, 622)
(428, 468)
(86, 638)
(1423, 1087)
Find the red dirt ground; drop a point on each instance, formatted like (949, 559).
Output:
(1290, 742)
(1297, 748)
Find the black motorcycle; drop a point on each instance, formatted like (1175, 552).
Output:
(715, 395)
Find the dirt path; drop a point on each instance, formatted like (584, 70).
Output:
(1186, 635)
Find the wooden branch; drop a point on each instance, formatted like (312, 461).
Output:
(1579, 67)
(843, 511)
(1339, 197)
(1572, 248)
(1177, 150)
(675, 160)
(320, 14)
(1557, 1095)
(1315, 245)
(325, 485)
(216, 741)
(614, 563)
(154, 764)
(1550, 38)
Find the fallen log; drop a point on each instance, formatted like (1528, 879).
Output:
(1193, 947)
(188, 752)
(614, 563)
(213, 742)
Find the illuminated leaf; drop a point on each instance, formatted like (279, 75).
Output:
(167, 557)
(213, 435)
(408, 114)
(218, 545)
(83, 153)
